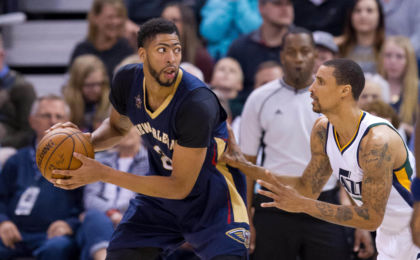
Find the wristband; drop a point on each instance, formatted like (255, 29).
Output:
(415, 189)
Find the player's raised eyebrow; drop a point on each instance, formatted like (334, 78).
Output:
(168, 45)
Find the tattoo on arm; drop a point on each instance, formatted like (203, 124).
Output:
(325, 209)
(319, 166)
(344, 214)
(362, 212)
(376, 161)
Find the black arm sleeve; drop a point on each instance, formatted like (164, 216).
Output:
(197, 117)
(120, 88)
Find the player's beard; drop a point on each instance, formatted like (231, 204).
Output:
(156, 75)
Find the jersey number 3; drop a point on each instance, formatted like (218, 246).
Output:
(166, 161)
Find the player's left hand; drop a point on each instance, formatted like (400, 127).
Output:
(89, 172)
(284, 197)
(363, 244)
(59, 228)
(233, 155)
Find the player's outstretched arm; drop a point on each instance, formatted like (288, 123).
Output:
(110, 132)
(377, 161)
(316, 173)
(186, 164)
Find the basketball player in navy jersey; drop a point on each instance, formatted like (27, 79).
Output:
(187, 195)
(364, 152)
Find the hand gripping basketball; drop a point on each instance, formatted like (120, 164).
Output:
(56, 148)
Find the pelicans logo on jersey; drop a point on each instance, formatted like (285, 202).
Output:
(240, 235)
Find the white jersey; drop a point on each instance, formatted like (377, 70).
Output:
(278, 118)
(345, 165)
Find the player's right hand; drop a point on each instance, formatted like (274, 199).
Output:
(9, 234)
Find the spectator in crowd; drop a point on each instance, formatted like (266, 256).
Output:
(16, 98)
(105, 39)
(376, 88)
(261, 45)
(399, 67)
(227, 78)
(109, 198)
(266, 72)
(326, 48)
(193, 50)
(322, 15)
(382, 109)
(28, 226)
(278, 115)
(401, 18)
(87, 92)
(223, 21)
(364, 34)
(192, 69)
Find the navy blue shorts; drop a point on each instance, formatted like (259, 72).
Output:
(214, 221)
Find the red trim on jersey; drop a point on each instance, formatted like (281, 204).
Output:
(213, 160)
(229, 218)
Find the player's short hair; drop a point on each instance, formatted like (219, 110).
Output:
(297, 30)
(153, 27)
(348, 72)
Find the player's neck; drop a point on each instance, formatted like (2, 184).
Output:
(155, 93)
(345, 122)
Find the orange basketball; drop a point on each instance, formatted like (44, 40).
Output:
(55, 151)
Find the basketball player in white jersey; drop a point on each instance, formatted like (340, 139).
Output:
(365, 153)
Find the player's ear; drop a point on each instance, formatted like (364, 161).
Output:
(142, 53)
(346, 90)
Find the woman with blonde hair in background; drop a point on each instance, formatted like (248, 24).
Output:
(87, 92)
(105, 38)
(364, 34)
(399, 67)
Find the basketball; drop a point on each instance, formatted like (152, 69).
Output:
(55, 151)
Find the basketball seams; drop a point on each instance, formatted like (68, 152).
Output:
(71, 157)
(57, 146)
(57, 154)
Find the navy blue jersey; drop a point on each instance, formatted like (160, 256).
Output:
(218, 196)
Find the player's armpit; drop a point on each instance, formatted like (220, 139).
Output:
(318, 170)
(110, 132)
(119, 122)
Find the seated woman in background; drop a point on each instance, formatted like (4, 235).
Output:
(107, 19)
(193, 50)
(376, 88)
(399, 67)
(87, 92)
(364, 34)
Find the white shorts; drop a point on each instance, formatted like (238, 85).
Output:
(396, 246)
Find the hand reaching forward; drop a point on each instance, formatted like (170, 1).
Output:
(233, 155)
(284, 197)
